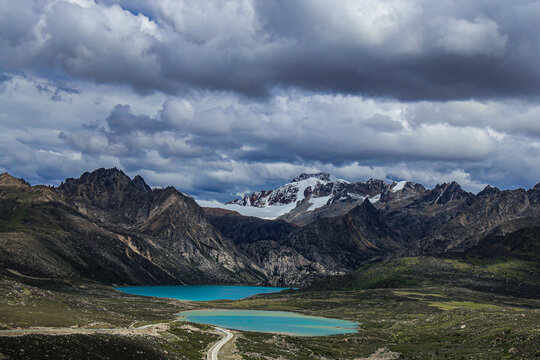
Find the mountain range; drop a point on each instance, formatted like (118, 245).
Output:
(110, 228)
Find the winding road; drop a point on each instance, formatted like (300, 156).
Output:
(211, 355)
(214, 350)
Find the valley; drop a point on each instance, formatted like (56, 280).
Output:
(426, 273)
(411, 322)
(269, 180)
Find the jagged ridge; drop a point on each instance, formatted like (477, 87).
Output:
(109, 227)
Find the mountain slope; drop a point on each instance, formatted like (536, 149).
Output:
(297, 255)
(108, 227)
(311, 196)
(489, 209)
(266, 242)
(405, 218)
(343, 242)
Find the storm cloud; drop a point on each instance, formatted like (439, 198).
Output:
(409, 50)
(222, 97)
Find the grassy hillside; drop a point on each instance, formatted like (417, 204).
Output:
(504, 275)
(426, 322)
(483, 304)
(71, 305)
(415, 323)
(507, 263)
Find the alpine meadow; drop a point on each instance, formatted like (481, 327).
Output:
(269, 180)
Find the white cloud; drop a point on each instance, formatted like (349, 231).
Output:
(481, 36)
(224, 96)
(215, 145)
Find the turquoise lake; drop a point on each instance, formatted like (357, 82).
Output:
(271, 321)
(247, 320)
(199, 292)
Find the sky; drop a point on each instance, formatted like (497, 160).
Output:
(220, 98)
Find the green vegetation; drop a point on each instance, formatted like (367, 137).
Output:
(458, 307)
(175, 343)
(419, 323)
(190, 341)
(27, 217)
(32, 302)
(416, 307)
(75, 346)
(68, 304)
(505, 275)
(11, 215)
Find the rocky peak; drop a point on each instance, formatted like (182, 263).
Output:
(536, 187)
(321, 176)
(111, 176)
(375, 182)
(103, 188)
(301, 187)
(444, 193)
(489, 190)
(360, 190)
(140, 184)
(403, 191)
(407, 186)
(7, 180)
(366, 207)
(101, 177)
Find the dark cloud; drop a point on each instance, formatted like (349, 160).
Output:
(56, 90)
(383, 123)
(122, 120)
(409, 50)
(4, 78)
(63, 89)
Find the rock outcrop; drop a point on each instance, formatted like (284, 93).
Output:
(108, 227)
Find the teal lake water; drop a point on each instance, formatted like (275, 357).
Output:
(199, 292)
(271, 321)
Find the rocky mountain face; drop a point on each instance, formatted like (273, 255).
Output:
(485, 213)
(296, 255)
(266, 242)
(315, 195)
(108, 227)
(293, 255)
(343, 242)
(301, 187)
(111, 228)
(361, 222)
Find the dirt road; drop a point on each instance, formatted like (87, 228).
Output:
(214, 350)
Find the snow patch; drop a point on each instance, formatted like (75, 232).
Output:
(267, 211)
(318, 202)
(270, 212)
(375, 198)
(399, 186)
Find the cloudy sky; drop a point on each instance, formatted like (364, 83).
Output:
(222, 97)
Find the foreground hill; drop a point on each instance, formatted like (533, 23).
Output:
(108, 227)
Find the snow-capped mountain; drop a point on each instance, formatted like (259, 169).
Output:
(307, 193)
(301, 187)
